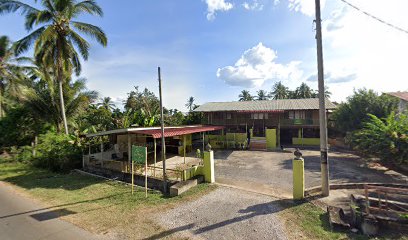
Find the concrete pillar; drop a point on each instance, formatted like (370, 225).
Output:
(270, 135)
(208, 171)
(298, 179)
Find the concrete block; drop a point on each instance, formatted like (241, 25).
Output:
(183, 186)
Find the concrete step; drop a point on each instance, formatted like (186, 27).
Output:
(183, 186)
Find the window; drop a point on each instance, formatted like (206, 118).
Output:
(296, 115)
(299, 114)
(291, 115)
(259, 116)
(228, 115)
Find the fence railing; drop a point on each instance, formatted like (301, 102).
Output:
(383, 199)
(291, 122)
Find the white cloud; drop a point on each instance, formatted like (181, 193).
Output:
(307, 7)
(217, 5)
(330, 77)
(375, 52)
(256, 66)
(254, 6)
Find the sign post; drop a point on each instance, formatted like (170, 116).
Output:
(133, 176)
(139, 155)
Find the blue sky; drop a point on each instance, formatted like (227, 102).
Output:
(213, 49)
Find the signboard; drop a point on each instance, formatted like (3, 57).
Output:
(139, 154)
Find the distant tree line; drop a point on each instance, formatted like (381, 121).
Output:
(280, 91)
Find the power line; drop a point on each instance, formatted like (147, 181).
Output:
(376, 18)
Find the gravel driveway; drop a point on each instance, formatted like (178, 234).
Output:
(225, 213)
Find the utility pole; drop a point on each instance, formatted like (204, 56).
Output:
(324, 163)
(163, 142)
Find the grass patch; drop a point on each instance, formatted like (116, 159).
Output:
(98, 205)
(307, 221)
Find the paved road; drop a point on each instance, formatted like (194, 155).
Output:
(225, 213)
(22, 218)
(271, 172)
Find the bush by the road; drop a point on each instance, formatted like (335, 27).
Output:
(57, 152)
(386, 139)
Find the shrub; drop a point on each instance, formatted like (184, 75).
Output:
(387, 139)
(57, 152)
(22, 154)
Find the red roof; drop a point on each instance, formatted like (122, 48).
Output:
(170, 132)
(400, 95)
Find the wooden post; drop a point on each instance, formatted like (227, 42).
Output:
(163, 140)
(133, 177)
(101, 152)
(155, 157)
(129, 151)
(184, 148)
(203, 141)
(146, 171)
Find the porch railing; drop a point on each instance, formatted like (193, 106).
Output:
(294, 122)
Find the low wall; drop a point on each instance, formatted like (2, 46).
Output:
(192, 172)
(206, 170)
(152, 183)
(306, 141)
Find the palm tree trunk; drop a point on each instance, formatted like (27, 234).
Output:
(1, 102)
(64, 118)
(61, 94)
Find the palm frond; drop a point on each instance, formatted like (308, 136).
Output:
(23, 44)
(89, 6)
(8, 6)
(92, 31)
(80, 43)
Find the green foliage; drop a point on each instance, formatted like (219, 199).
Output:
(18, 128)
(387, 139)
(245, 96)
(57, 152)
(351, 115)
(190, 103)
(22, 154)
(262, 95)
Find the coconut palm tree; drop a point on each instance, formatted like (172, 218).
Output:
(11, 73)
(56, 40)
(190, 103)
(262, 95)
(41, 97)
(245, 96)
(107, 104)
(327, 93)
(304, 91)
(280, 91)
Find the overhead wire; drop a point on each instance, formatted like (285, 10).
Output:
(375, 18)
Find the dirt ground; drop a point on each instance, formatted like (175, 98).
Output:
(225, 213)
(271, 172)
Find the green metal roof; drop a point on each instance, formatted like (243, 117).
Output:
(266, 105)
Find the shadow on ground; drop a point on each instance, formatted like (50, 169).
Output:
(49, 180)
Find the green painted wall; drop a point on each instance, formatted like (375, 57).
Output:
(207, 170)
(270, 139)
(306, 141)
